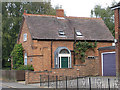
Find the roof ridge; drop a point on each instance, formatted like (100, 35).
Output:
(83, 17)
(38, 15)
(64, 16)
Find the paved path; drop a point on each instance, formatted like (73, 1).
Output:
(16, 86)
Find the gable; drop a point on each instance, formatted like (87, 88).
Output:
(24, 30)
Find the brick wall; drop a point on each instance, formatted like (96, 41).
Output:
(27, 45)
(91, 68)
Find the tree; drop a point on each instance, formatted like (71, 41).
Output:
(106, 14)
(12, 19)
(17, 56)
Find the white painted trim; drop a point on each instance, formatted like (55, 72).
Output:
(60, 61)
(102, 59)
(64, 55)
(115, 7)
(56, 61)
(80, 36)
(60, 18)
(68, 62)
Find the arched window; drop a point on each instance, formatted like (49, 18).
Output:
(64, 51)
(62, 58)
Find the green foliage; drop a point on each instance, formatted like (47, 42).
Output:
(25, 67)
(106, 14)
(17, 56)
(81, 48)
(12, 20)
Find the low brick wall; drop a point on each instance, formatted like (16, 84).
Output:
(90, 68)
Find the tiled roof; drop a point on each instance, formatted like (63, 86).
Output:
(107, 48)
(47, 27)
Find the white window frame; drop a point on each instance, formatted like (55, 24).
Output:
(113, 44)
(25, 37)
(25, 58)
(79, 34)
(61, 33)
(65, 55)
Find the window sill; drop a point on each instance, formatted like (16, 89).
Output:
(81, 65)
(24, 41)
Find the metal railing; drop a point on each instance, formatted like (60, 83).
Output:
(66, 82)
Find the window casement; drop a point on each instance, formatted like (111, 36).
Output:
(91, 57)
(61, 33)
(78, 34)
(25, 59)
(25, 37)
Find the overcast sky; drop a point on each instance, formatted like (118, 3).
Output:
(80, 8)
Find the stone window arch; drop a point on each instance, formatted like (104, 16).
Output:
(62, 58)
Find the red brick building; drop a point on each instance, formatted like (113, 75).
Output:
(48, 42)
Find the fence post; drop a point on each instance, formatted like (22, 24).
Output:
(56, 81)
(40, 81)
(77, 83)
(66, 82)
(109, 83)
(48, 81)
(90, 82)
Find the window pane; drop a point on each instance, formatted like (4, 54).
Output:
(78, 33)
(25, 61)
(25, 55)
(64, 51)
(25, 37)
(61, 33)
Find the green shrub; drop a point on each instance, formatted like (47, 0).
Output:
(26, 67)
(81, 48)
(17, 56)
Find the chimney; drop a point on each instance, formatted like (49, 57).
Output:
(116, 9)
(60, 12)
(24, 12)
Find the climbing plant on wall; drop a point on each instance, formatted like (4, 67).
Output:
(17, 56)
(81, 48)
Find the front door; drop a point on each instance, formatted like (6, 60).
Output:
(64, 62)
